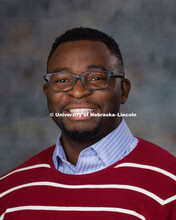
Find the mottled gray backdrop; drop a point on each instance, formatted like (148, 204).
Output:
(146, 33)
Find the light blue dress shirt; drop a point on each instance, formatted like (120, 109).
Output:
(110, 149)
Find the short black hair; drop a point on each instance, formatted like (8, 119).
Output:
(85, 33)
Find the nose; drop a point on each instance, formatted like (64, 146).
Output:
(79, 91)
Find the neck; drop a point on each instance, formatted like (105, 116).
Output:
(73, 148)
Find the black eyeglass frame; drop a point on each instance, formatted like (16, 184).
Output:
(76, 77)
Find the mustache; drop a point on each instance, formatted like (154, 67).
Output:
(81, 103)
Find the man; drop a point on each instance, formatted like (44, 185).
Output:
(97, 170)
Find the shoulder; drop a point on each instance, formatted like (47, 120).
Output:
(151, 163)
(36, 164)
(152, 154)
(150, 170)
(42, 157)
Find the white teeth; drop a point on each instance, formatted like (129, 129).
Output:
(81, 110)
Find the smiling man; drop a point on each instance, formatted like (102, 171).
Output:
(92, 61)
(97, 169)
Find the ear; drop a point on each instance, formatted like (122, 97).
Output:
(125, 89)
(45, 89)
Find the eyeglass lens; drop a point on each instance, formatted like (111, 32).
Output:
(92, 80)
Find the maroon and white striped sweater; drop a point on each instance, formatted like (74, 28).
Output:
(140, 186)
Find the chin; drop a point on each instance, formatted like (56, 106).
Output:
(81, 134)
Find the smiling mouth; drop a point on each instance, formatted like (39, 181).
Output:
(81, 111)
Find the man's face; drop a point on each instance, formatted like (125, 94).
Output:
(78, 57)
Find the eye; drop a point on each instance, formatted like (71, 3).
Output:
(61, 81)
(97, 78)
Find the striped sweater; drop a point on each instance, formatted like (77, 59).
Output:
(140, 186)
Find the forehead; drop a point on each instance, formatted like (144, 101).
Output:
(82, 52)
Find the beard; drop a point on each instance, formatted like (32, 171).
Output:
(82, 135)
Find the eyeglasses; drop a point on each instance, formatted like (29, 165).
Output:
(93, 80)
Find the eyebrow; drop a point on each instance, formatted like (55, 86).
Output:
(92, 66)
(62, 69)
(96, 67)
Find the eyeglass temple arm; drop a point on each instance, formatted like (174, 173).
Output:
(46, 77)
(117, 74)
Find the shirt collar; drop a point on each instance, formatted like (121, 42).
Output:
(110, 148)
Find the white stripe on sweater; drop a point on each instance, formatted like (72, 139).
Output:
(26, 168)
(103, 186)
(80, 209)
(148, 167)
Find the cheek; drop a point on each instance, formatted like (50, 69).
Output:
(114, 90)
(113, 98)
(55, 101)
(110, 101)
(114, 101)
